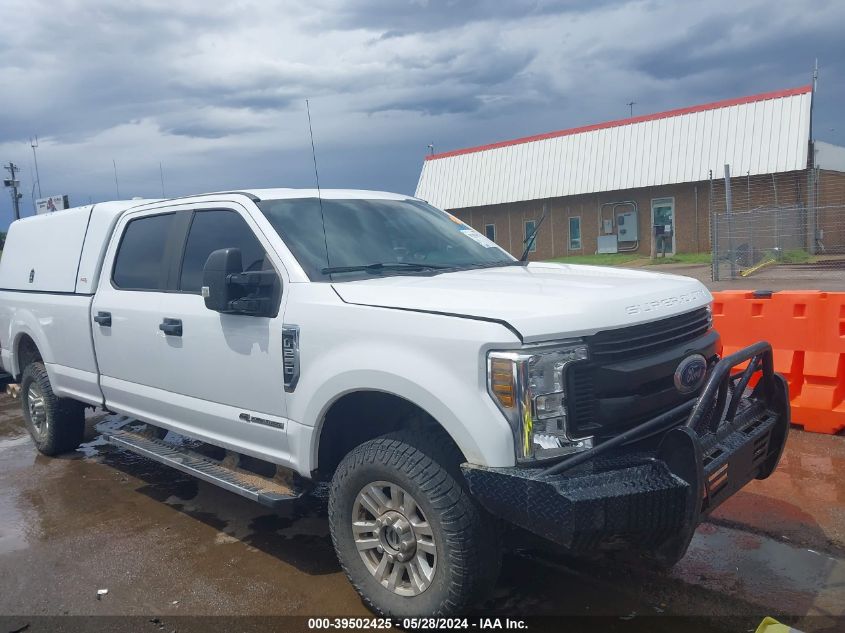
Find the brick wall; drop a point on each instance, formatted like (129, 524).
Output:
(692, 213)
(554, 239)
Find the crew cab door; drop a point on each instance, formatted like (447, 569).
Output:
(167, 359)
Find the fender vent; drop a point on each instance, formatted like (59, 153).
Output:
(290, 356)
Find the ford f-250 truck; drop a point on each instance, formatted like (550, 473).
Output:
(442, 389)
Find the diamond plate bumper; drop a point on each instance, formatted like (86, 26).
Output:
(650, 487)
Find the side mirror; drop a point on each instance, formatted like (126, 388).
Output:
(216, 289)
(228, 289)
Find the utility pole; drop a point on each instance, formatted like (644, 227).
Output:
(812, 218)
(34, 145)
(631, 105)
(13, 184)
(161, 173)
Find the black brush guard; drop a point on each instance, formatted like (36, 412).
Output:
(619, 494)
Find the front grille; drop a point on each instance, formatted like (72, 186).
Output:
(648, 338)
(613, 347)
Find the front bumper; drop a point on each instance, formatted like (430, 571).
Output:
(649, 488)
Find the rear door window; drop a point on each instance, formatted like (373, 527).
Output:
(140, 263)
(212, 230)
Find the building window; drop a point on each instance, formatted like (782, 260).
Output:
(575, 233)
(530, 227)
(490, 232)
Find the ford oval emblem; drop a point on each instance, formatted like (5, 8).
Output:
(690, 373)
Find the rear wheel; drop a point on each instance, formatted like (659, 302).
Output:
(411, 539)
(55, 424)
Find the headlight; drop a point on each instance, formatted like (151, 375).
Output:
(529, 386)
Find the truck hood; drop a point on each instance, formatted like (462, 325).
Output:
(541, 301)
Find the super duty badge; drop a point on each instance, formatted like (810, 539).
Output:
(666, 302)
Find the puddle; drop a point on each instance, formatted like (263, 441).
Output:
(12, 522)
(11, 422)
(764, 571)
(11, 442)
(100, 426)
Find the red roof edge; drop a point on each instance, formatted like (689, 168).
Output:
(790, 92)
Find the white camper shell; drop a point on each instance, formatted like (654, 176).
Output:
(60, 252)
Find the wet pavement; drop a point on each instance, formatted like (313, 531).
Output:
(165, 544)
(824, 275)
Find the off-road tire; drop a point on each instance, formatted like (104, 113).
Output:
(427, 466)
(64, 425)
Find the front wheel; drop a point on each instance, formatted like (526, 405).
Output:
(411, 539)
(55, 424)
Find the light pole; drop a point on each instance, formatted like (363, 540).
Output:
(34, 145)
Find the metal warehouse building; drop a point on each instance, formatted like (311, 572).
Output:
(621, 185)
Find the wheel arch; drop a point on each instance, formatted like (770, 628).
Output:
(358, 415)
(26, 348)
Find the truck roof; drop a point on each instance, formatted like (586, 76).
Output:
(116, 207)
(282, 192)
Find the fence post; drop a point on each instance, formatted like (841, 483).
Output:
(714, 234)
(811, 210)
(728, 214)
(714, 256)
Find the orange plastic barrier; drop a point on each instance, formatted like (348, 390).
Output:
(807, 333)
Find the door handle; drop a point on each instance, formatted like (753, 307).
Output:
(103, 319)
(171, 327)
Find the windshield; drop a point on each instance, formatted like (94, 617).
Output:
(377, 237)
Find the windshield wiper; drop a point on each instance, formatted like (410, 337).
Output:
(381, 266)
(530, 241)
(514, 262)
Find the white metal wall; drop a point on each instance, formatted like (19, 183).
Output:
(759, 137)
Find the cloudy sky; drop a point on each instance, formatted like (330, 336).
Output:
(215, 92)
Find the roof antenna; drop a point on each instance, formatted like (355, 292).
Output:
(317, 179)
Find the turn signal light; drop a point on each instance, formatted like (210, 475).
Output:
(502, 381)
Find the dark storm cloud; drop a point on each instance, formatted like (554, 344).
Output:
(456, 82)
(747, 41)
(422, 16)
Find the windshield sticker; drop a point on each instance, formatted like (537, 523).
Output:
(478, 237)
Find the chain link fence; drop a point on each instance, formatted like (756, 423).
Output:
(789, 218)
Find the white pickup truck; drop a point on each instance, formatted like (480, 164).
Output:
(447, 393)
